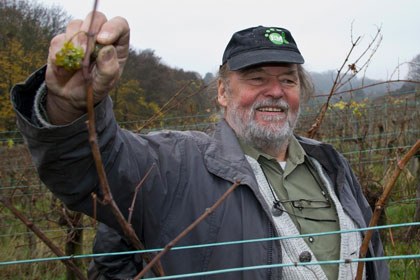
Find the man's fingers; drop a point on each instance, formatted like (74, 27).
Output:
(115, 31)
(106, 72)
(72, 28)
(53, 71)
(98, 20)
(55, 45)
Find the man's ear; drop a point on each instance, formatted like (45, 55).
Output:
(221, 93)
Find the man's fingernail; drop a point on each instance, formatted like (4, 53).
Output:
(104, 35)
(108, 54)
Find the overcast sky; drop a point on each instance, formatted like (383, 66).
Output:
(192, 34)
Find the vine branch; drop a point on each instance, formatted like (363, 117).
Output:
(314, 129)
(107, 196)
(172, 243)
(42, 236)
(340, 81)
(368, 86)
(379, 206)
(166, 108)
(131, 209)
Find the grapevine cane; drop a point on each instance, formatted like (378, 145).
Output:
(381, 203)
(314, 129)
(127, 229)
(73, 57)
(43, 237)
(167, 107)
(172, 243)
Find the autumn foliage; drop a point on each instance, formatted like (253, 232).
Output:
(26, 28)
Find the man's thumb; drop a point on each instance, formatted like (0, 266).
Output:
(106, 72)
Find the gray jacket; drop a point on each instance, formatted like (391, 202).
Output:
(192, 171)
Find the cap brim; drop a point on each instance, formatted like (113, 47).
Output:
(251, 58)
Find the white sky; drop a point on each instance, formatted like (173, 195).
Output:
(192, 34)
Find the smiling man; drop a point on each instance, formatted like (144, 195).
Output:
(262, 105)
(289, 185)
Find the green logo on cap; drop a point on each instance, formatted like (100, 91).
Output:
(276, 36)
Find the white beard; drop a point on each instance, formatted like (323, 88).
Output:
(268, 138)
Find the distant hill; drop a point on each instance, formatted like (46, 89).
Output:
(324, 81)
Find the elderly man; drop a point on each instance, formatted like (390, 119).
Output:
(289, 185)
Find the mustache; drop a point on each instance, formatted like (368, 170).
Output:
(271, 103)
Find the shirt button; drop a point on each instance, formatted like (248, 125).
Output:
(305, 256)
(276, 212)
(311, 239)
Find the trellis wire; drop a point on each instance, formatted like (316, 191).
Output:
(226, 243)
(278, 265)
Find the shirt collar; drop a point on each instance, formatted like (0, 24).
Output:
(295, 152)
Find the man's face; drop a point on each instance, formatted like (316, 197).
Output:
(262, 104)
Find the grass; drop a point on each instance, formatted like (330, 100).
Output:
(26, 246)
(408, 268)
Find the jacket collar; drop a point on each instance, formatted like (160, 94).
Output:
(328, 157)
(225, 158)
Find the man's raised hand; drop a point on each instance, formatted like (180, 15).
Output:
(66, 98)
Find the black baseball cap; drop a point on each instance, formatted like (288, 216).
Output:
(257, 45)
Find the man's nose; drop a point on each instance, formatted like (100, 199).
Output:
(275, 89)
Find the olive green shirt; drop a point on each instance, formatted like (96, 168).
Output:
(300, 180)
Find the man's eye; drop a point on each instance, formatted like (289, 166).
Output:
(256, 80)
(289, 82)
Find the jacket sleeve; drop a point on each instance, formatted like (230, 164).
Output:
(118, 266)
(63, 159)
